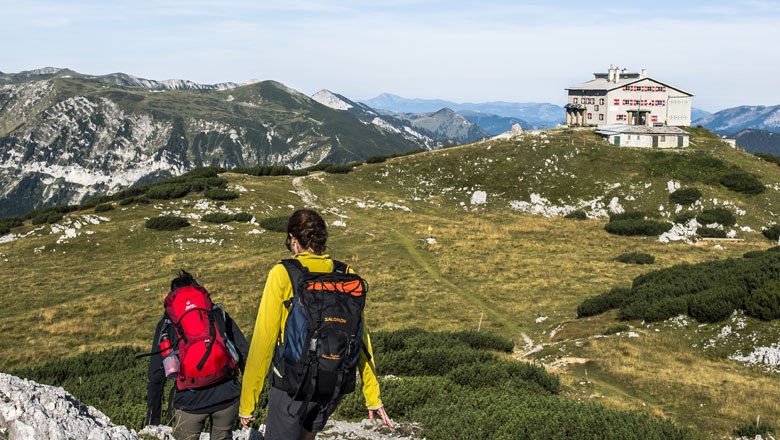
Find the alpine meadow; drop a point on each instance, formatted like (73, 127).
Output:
(504, 301)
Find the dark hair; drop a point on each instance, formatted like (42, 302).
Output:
(309, 229)
(183, 279)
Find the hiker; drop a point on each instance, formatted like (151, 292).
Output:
(208, 348)
(310, 372)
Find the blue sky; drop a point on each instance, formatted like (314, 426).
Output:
(723, 52)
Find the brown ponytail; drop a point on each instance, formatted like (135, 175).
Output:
(309, 229)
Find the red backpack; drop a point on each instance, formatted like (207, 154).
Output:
(203, 355)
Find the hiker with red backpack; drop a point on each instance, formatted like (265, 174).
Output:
(199, 347)
(310, 337)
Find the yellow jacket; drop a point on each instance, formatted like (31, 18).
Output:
(271, 317)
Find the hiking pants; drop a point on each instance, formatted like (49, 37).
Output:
(188, 426)
(282, 421)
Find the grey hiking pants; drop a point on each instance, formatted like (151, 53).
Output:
(188, 426)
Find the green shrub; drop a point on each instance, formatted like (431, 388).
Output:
(636, 258)
(167, 223)
(768, 157)
(742, 182)
(774, 249)
(220, 194)
(721, 216)
(577, 215)
(485, 341)
(271, 170)
(4, 229)
(601, 303)
(616, 329)
(54, 218)
(217, 217)
(685, 217)
(772, 232)
(127, 201)
(645, 228)
(104, 208)
(143, 201)
(753, 429)
(628, 215)
(339, 168)
(167, 191)
(275, 224)
(717, 304)
(377, 159)
(705, 232)
(40, 219)
(243, 217)
(663, 309)
(753, 254)
(764, 303)
(685, 196)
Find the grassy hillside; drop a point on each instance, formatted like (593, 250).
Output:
(436, 261)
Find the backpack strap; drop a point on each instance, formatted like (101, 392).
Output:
(340, 267)
(296, 272)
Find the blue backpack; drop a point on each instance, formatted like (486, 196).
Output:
(318, 355)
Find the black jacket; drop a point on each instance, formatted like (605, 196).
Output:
(198, 401)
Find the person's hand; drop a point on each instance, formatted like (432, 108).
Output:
(383, 415)
(245, 421)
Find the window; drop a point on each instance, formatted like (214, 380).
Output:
(626, 102)
(601, 117)
(596, 107)
(621, 117)
(575, 100)
(601, 101)
(663, 138)
(655, 119)
(617, 101)
(590, 115)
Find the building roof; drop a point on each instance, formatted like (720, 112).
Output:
(606, 85)
(640, 129)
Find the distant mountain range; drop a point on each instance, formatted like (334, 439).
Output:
(65, 136)
(733, 120)
(116, 79)
(535, 115)
(758, 141)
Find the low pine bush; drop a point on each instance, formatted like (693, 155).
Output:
(769, 157)
(753, 254)
(339, 168)
(742, 182)
(772, 232)
(40, 219)
(104, 207)
(753, 429)
(127, 201)
(275, 224)
(217, 217)
(243, 217)
(270, 170)
(628, 215)
(167, 223)
(645, 228)
(54, 217)
(705, 232)
(616, 329)
(720, 216)
(167, 191)
(684, 217)
(685, 196)
(708, 292)
(764, 303)
(220, 194)
(636, 258)
(577, 215)
(601, 303)
(376, 159)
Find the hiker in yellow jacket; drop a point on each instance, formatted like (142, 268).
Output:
(306, 238)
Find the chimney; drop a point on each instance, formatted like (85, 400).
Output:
(617, 74)
(611, 75)
(644, 72)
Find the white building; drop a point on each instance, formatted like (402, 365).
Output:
(644, 136)
(619, 97)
